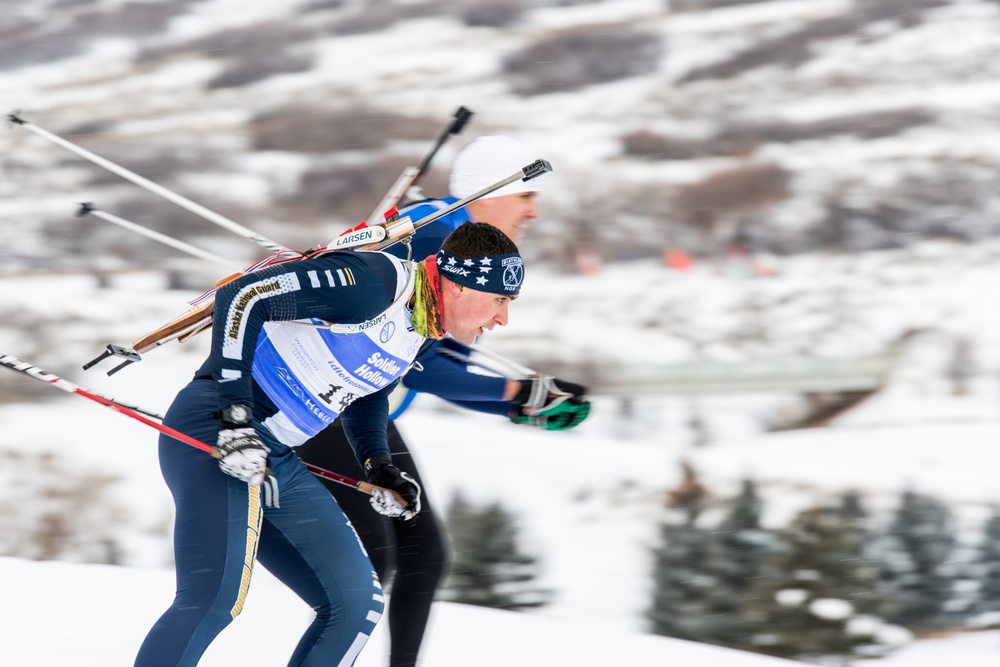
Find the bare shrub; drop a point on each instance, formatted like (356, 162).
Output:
(248, 43)
(258, 67)
(731, 199)
(67, 236)
(647, 144)
(706, 4)
(50, 509)
(863, 126)
(794, 48)
(907, 12)
(612, 219)
(492, 13)
(312, 130)
(349, 193)
(156, 164)
(741, 139)
(376, 15)
(559, 3)
(258, 52)
(132, 19)
(95, 126)
(578, 57)
(788, 50)
(23, 43)
(749, 186)
(324, 5)
(957, 202)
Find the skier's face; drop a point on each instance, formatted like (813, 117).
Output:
(468, 312)
(511, 214)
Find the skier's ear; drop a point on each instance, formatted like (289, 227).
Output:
(453, 289)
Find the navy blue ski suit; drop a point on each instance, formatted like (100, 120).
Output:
(290, 524)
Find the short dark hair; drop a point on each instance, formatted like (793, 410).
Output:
(478, 239)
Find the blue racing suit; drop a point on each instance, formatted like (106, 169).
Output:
(436, 373)
(410, 555)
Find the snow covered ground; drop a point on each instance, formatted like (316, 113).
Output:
(104, 612)
(588, 500)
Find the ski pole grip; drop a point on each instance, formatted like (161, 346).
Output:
(536, 169)
(462, 117)
(368, 487)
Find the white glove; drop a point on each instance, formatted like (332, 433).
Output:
(385, 503)
(243, 454)
(381, 472)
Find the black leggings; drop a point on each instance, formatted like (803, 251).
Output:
(409, 556)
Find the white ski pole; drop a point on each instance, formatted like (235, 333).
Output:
(194, 251)
(503, 364)
(476, 355)
(411, 175)
(379, 237)
(147, 184)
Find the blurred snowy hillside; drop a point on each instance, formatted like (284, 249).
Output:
(790, 125)
(737, 185)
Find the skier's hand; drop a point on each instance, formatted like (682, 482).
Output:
(550, 403)
(560, 417)
(242, 454)
(381, 472)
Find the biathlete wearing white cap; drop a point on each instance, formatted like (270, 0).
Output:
(411, 557)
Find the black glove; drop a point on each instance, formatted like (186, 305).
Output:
(380, 471)
(550, 403)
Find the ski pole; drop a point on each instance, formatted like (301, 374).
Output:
(147, 418)
(508, 365)
(147, 184)
(494, 363)
(199, 319)
(395, 229)
(485, 359)
(411, 175)
(89, 209)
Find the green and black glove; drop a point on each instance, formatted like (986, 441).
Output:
(550, 403)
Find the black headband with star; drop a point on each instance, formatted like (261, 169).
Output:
(498, 274)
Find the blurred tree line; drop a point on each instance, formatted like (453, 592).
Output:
(836, 585)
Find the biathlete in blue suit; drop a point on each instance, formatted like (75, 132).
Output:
(411, 557)
(294, 347)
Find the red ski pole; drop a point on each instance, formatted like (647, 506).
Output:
(148, 418)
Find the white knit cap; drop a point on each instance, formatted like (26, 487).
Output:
(486, 161)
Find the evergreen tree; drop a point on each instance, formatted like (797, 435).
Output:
(914, 556)
(818, 603)
(488, 568)
(678, 581)
(680, 587)
(737, 557)
(702, 575)
(987, 566)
